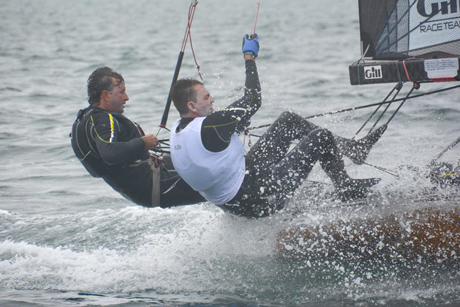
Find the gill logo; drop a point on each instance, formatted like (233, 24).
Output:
(445, 7)
(373, 72)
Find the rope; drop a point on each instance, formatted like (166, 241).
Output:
(257, 16)
(191, 14)
(194, 58)
(407, 72)
(188, 35)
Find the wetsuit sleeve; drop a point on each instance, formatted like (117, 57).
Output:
(106, 133)
(218, 128)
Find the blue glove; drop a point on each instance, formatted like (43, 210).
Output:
(251, 45)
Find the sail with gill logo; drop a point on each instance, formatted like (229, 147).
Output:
(408, 41)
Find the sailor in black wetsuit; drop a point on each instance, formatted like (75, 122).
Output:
(112, 147)
(208, 155)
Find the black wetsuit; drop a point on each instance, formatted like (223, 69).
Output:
(273, 174)
(109, 146)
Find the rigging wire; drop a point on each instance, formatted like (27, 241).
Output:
(382, 169)
(368, 105)
(398, 88)
(415, 87)
(382, 103)
(445, 150)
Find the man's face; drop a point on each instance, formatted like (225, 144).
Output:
(118, 98)
(204, 101)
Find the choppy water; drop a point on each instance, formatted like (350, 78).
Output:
(68, 239)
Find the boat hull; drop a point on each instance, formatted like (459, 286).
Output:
(429, 234)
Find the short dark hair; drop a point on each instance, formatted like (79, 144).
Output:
(183, 92)
(102, 79)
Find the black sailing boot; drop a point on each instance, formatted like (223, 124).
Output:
(346, 187)
(358, 151)
(356, 188)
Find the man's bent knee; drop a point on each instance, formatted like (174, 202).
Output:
(322, 135)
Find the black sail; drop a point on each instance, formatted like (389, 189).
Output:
(408, 30)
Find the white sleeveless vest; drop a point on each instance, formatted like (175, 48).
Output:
(215, 175)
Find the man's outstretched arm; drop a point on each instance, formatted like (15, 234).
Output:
(218, 127)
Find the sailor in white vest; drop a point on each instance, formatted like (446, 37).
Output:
(207, 153)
